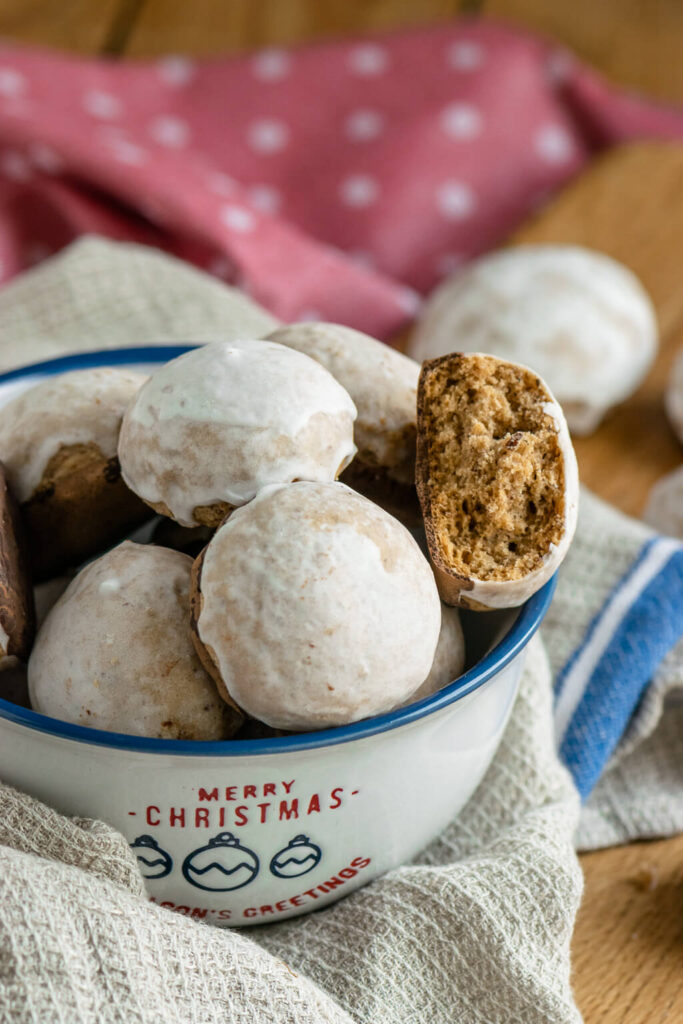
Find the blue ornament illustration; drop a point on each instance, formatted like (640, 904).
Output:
(298, 857)
(221, 866)
(154, 862)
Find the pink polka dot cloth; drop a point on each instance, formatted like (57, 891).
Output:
(337, 181)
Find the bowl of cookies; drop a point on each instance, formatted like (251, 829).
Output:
(265, 603)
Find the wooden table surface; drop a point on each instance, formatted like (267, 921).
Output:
(629, 935)
(628, 943)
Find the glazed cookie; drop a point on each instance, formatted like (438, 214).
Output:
(115, 651)
(673, 398)
(449, 659)
(383, 386)
(496, 477)
(578, 318)
(58, 441)
(17, 610)
(214, 426)
(312, 607)
(664, 509)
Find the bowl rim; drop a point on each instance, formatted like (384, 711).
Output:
(528, 620)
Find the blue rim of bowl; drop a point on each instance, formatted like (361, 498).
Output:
(528, 620)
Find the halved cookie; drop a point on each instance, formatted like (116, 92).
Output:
(496, 477)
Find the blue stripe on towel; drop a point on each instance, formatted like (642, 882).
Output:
(600, 686)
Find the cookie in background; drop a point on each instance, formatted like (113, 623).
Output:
(580, 319)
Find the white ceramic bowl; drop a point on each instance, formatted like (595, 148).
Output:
(251, 831)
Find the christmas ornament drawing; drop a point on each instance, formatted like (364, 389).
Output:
(297, 858)
(223, 865)
(154, 862)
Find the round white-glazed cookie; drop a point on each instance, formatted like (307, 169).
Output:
(382, 383)
(115, 651)
(673, 399)
(664, 508)
(84, 407)
(211, 428)
(312, 608)
(449, 659)
(578, 318)
(58, 441)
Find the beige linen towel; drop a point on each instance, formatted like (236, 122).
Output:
(476, 930)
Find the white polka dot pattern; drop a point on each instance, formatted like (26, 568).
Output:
(170, 131)
(268, 135)
(311, 316)
(554, 144)
(368, 60)
(126, 152)
(238, 218)
(409, 301)
(359, 190)
(271, 65)
(221, 184)
(328, 176)
(265, 198)
(465, 55)
(103, 105)
(175, 70)
(12, 83)
(461, 121)
(363, 125)
(44, 158)
(455, 200)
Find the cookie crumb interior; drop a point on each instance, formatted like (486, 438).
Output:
(495, 467)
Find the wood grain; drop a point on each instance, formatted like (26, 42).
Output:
(82, 26)
(630, 205)
(636, 42)
(628, 942)
(218, 27)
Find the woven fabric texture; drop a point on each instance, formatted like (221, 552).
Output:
(476, 929)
